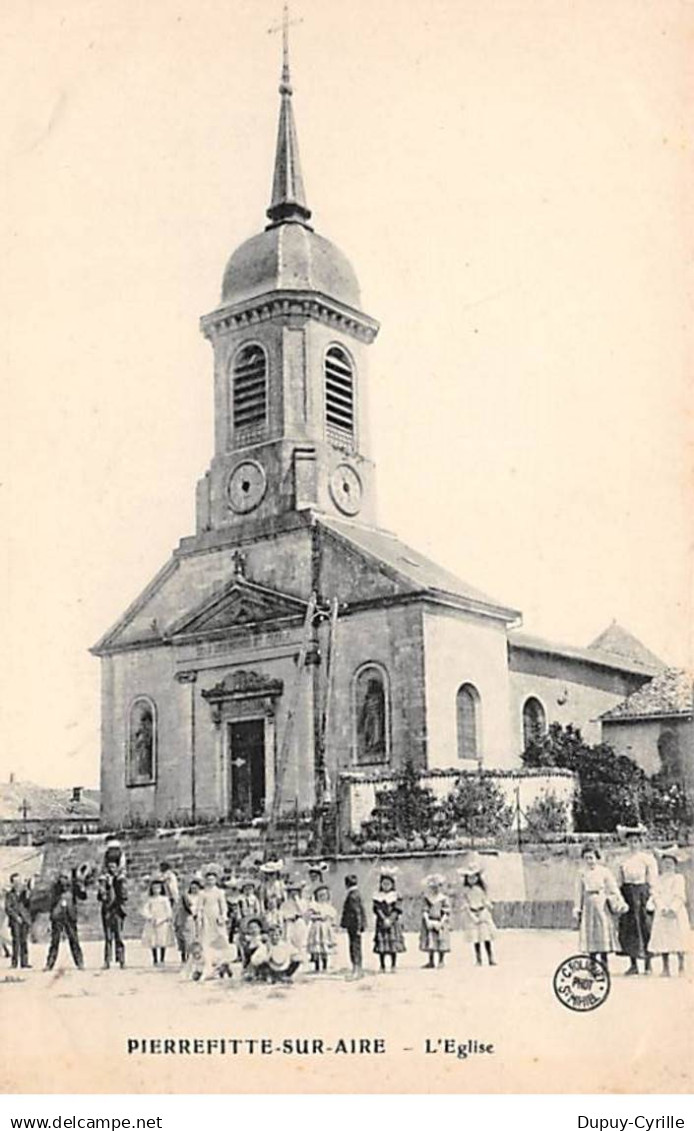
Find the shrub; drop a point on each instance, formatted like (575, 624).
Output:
(477, 807)
(613, 790)
(666, 808)
(547, 814)
(403, 812)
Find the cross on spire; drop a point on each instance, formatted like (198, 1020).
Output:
(288, 197)
(286, 82)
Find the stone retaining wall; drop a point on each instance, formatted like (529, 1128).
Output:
(533, 888)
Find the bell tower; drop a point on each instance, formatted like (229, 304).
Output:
(290, 366)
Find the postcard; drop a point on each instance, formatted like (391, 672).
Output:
(348, 724)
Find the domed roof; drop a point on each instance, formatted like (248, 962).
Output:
(289, 256)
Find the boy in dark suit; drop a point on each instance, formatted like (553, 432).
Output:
(19, 919)
(353, 921)
(112, 895)
(66, 891)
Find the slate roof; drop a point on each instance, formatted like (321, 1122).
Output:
(412, 569)
(670, 694)
(188, 582)
(592, 655)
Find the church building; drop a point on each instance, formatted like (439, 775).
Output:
(291, 639)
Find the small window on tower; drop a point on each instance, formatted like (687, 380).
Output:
(249, 408)
(339, 396)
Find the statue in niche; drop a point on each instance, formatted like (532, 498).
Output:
(371, 717)
(142, 741)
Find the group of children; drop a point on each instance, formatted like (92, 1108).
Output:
(272, 924)
(269, 922)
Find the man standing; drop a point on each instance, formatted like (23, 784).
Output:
(65, 893)
(19, 919)
(113, 895)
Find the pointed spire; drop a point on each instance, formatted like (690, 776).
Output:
(288, 196)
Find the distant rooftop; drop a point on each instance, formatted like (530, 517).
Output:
(620, 642)
(669, 694)
(614, 648)
(43, 804)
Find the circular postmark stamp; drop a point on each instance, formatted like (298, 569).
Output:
(581, 983)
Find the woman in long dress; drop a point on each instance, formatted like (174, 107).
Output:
(435, 933)
(295, 912)
(389, 937)
(158, 933)
(212, 915)
(638, 874)
(671, 933)
(596, 903)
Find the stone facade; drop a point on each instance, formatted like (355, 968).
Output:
(291, 639)
(571, 688)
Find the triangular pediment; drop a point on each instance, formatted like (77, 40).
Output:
(240, 605)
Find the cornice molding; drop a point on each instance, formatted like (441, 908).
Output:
(289, 304)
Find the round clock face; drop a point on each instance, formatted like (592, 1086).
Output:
(346, 489)
(246, 486)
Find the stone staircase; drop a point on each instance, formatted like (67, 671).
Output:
(186, 850)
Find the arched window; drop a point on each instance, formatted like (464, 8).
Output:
(339, 395)
(142, 742)
(249, 390)
(371, 715)
(534, 721)
(467, 710)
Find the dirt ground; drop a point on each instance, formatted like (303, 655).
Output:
(68, 1031)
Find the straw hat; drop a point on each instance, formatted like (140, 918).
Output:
(435, 879)
(472, 866)
(672, 852)
(389, 870)
(271, 866)
(626, 831)
(319, 866)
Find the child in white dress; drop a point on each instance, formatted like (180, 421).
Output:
(670, 933)
(321, 931)
(476, 907)
(158, 933)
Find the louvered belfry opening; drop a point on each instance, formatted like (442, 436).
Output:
(339, 396)
(249, 391)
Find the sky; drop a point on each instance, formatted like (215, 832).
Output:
(512, 180)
